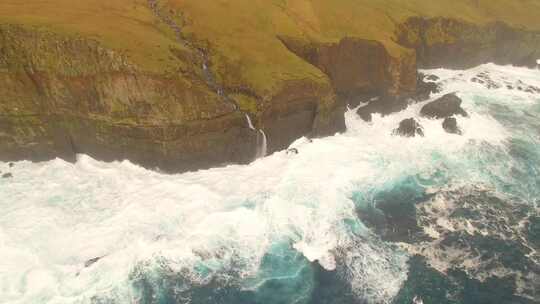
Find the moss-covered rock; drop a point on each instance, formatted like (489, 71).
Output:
(63, 95)
(166, 83)
(444, 42)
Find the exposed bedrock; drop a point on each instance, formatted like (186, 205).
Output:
(450, 43)
(388, 104)
(63, 94)
(409, 128)
(363, 70)
(359, 68)
(299, 109)
(450, 125)
(443, 107)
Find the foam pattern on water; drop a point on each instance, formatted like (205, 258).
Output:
(254, 229)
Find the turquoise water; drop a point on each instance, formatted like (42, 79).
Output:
(360, 217)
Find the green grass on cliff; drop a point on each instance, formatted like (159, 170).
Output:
(242, 34)
(244, 31)
(126, 26)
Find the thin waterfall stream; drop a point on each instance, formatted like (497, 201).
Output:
(360, 217)
(208, 75)
(261, 139)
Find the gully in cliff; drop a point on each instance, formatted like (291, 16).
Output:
(208, 76)
(175, 94)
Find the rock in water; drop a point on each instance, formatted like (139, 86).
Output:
(388, 104)
(424, 89)
(292, 151)
(444, 107)
(450, 125)
(11, 165)
(7, 175)
(91, 262)
(383, 105)
(432, 77)
(409, 128)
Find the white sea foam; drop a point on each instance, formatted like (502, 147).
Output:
(56, 215)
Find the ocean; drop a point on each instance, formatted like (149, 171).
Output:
(359, 217)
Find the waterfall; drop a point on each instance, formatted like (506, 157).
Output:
(208, 76)
(261, 149)
(261, 139)
(250, 124)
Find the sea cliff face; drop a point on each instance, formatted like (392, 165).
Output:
(62, 96)
(168, 85)
(444, 42)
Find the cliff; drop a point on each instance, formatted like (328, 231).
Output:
(168, 83)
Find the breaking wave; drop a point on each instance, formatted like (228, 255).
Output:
(288, 228)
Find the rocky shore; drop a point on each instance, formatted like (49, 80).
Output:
(182, 105)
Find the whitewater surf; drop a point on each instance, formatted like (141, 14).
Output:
(358, 217)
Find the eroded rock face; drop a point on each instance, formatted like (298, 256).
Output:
(359, 68)
(425, 88)
(409, 128)
(383, 105)
(450, 43)
(354, 66)
(299, 109)
(444, 107)
(388, 104)
(62, 96)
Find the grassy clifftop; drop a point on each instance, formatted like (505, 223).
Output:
(243, 32)
(167, 83)
(241, 35)
(126, 26)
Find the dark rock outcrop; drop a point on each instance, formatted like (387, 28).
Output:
(292, 151)
(450, 126)
(361, 70)
(432, 77)
(63, 96)
(298, 110)
(356, 67)
(92, 262)
(409, 128)
(446, 106)
(388, 104)
(484, 79)
(382, 105)
(7, 175)
(451, 43)
(80, 93)
(425, 88)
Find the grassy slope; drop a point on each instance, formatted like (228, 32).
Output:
(124, 25)
(242, 33)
